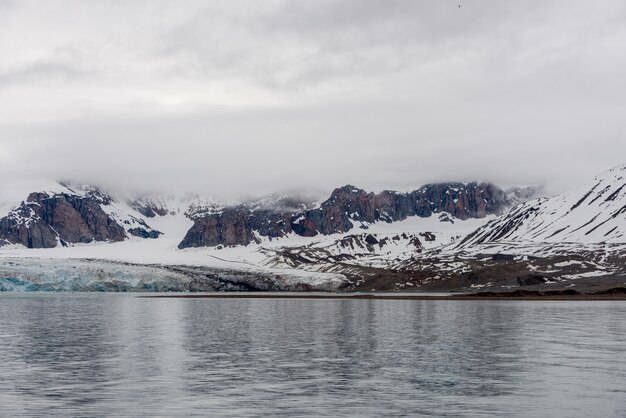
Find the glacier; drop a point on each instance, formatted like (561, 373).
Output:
(89, 275)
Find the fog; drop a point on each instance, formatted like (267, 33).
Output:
(240, 98)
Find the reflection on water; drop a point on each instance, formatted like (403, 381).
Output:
(115, 354)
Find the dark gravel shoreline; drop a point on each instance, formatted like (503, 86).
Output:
(564, 295)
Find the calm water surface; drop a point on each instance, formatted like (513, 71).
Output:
(115, 354)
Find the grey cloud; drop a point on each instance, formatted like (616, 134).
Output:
(299, 43)
(380, 94)
(41, 71)
(234, 153)
(304, 42)
(7, 4)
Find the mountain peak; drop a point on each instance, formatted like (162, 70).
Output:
(593, 213)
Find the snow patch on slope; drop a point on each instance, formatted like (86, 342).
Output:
(593, 213)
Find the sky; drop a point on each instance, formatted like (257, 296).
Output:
(234, 98)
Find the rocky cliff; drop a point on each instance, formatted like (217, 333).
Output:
(70, 214)
(346, 208)
(46, 220)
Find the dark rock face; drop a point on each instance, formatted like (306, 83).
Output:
(144, 233)
(24, 226)
(228, 227)
(270, 224)
(147, 208)
(346, 207)
(43, 221)
(348, 204)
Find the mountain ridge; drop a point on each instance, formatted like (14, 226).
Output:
(71, 214)
(347, 207)
(353, 240)
(594, 212)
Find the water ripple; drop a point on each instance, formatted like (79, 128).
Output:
(105, 354)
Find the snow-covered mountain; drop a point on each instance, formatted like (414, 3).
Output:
(593, 213)
(440, 236)
(70, 236)
(278, 242)
(67, 214)
(378, 244)
(575, 239)
(347, 209)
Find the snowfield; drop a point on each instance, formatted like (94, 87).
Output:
(142, 264)
(593, 213)
(139, 264)
(578, 234)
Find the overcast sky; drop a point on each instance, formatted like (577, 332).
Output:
(247, 97)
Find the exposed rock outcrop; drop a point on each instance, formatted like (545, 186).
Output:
(228, 227)
(70, 215)
(346, 208)
(148, 207)
(82, 214)
(44, 221)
